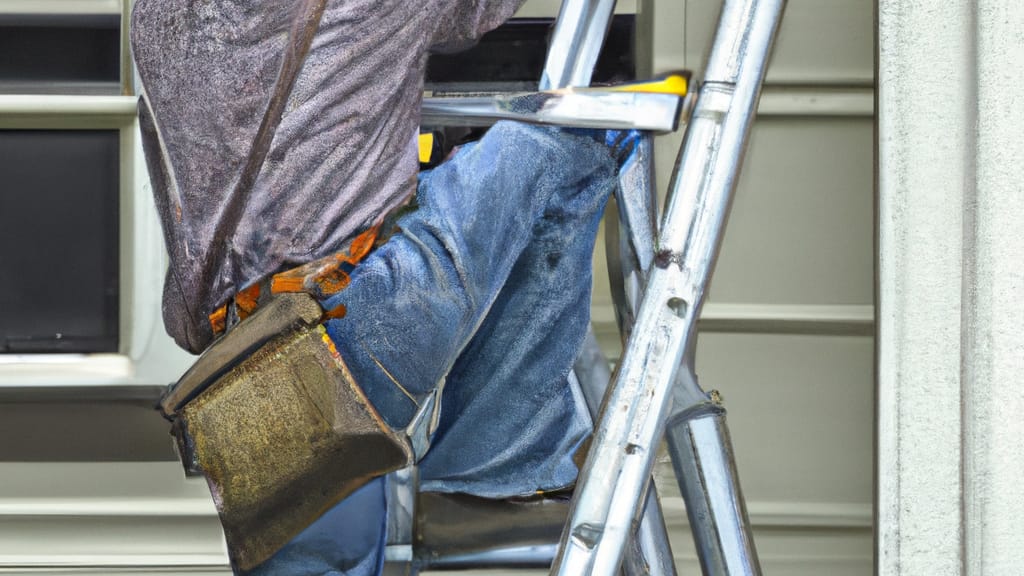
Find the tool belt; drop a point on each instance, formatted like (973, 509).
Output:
(274, 419)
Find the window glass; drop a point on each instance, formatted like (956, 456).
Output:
(61, 53)
(59, 240)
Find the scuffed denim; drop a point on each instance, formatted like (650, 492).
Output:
(484, 292)
(348, 540)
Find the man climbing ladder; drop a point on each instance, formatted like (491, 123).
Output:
(274, 135)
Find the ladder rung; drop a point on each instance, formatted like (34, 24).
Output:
(479, 532)
(610, 110)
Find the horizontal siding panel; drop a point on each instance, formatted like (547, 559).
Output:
(800, 413)
(820, 41)
(801, 226)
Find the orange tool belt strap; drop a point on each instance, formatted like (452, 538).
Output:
(319, 278)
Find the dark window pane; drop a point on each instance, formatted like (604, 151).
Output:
(511, 57)
(64, 53)
(59, 240)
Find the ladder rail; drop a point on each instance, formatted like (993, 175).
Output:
(614, 480)
(579, 34)
(576, 43)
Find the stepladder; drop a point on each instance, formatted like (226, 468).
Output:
(660, 261)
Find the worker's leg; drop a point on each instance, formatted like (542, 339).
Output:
(511, 422)
(348, 540)
(415, 303)
(513, 209)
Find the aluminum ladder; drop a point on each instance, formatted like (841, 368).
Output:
(613, 523)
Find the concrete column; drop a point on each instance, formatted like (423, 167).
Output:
(951, 287)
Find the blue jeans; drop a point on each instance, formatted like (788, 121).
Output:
(486, 292)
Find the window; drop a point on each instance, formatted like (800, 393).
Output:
(511, 58)
(60, 179)
(59, 240)
(60, 53)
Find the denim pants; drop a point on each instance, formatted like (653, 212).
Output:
(485, 291)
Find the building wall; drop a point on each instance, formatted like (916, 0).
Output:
(87, 478)
(951, 349)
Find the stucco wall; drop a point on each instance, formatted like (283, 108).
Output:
(951, 349)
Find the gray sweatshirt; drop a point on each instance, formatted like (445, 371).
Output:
(274, 131)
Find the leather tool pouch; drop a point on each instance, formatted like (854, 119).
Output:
(273, 418)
